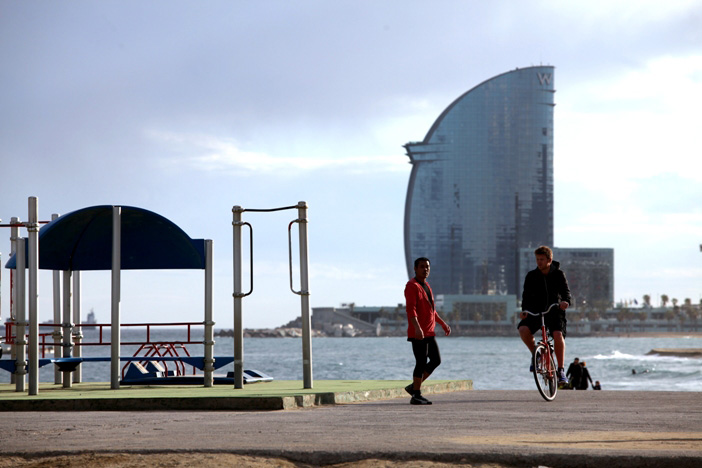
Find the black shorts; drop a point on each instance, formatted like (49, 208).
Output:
(554, 321)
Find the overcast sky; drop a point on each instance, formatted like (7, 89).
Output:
(189, 108)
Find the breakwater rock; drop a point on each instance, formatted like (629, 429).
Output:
(280, 332)
(679, 352)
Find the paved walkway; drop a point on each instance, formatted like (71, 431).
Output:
(510, 428)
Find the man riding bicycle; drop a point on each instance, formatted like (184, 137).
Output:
(543, 286)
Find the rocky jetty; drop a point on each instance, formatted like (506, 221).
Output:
(280, 332)
(679, 352)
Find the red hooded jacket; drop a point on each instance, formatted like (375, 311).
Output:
(418, 305)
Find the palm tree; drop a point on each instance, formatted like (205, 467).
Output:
(664, 299)
(597, 310)
(690, 311)
(647, 300)
(643, 315)
(398, 311)
(456, 315)
(669, 315)
(624, 316)
(593, 314)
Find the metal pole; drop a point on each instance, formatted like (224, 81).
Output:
(305, 297)
(77, 330)
(209, 324)
(56, 335)
(14, 235)
(33, 264)
(115, 336)
(20, 318)
(67, 325)
(238, 295)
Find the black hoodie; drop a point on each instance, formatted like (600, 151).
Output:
(540, 291)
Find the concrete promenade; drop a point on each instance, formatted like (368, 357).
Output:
(502, 428)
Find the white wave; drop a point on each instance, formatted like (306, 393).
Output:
(618, 355)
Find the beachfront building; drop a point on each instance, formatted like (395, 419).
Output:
(352, 320)
(481, 185)
(497, 315)
(479, 314)
(590, 273)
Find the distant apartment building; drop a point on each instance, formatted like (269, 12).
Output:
(590, 273)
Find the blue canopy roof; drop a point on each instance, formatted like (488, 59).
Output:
(82, 240)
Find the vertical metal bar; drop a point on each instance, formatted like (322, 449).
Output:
(305, 297)
(115, 336)
(14, 235)
(209, 324)
(67, 324)
(56, 335)
(33, 265)
(238, 322)
(20, 317)
(77, 330)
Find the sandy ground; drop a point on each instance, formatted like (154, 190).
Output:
(210, 460)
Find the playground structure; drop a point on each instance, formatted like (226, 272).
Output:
(140, 239)
(174, 351)
(304, 293)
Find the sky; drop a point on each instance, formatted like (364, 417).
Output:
(190, 108)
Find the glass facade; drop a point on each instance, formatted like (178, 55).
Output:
(481, 185)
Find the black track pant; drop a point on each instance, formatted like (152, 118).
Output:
(423, 350)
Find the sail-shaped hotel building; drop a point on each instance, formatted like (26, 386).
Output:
(481, 185)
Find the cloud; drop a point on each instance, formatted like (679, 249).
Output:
(669, 194)
(629, 145)
(212, 154)
(334, 272)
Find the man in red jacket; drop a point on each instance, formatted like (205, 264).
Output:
(422, 318)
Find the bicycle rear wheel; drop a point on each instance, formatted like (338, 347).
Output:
(545, 372)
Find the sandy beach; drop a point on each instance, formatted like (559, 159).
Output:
(210, 460)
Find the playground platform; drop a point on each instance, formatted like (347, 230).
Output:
(275, 395)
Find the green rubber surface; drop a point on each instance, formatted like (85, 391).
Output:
(281, 394)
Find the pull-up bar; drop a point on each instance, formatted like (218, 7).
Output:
(21, 225)
(303, 293)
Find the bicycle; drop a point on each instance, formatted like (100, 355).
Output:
(544, 361)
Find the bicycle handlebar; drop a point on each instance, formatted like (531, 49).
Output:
(542, 313)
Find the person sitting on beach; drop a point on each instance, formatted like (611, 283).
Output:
(543, 286)
(422, 318)
(597, 385)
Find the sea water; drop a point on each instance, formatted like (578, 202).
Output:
(490, 362)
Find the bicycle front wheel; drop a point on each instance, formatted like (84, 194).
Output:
(545, 372)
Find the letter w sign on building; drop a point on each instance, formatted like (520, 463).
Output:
(544, 78)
